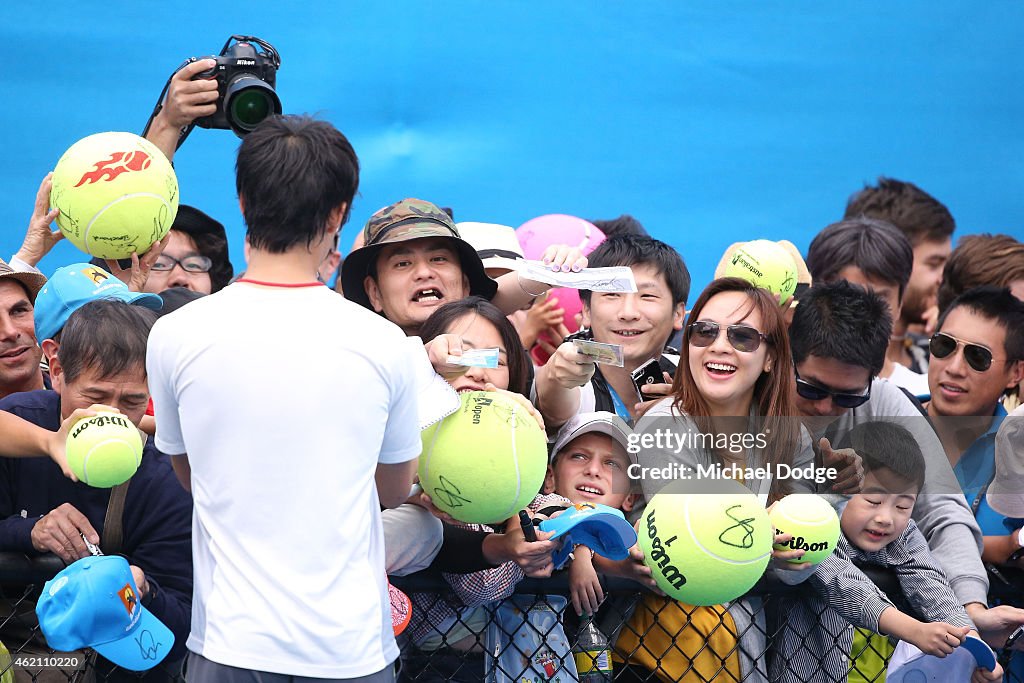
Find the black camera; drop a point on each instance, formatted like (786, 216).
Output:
(245, 82)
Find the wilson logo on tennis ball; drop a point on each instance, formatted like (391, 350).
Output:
(104, 450)
(660, 556)
(100, 421)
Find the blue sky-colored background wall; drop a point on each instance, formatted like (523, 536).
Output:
(711, 122)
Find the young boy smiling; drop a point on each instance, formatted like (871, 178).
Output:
(588, 465)
(815, 630)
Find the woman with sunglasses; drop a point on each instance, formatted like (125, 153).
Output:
(733, 378)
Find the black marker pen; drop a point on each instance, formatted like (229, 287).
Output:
(527, 524)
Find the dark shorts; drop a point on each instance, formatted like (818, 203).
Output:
(202, 670)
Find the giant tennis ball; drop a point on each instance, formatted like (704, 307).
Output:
(811, 521)
(765, 264)
(486, 461)
(6, 665)
(104, 450)
(116, 193)
(706, 548)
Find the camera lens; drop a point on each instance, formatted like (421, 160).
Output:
(248, 101)
(250, 107)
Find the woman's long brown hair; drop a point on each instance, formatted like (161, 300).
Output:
(774, 392)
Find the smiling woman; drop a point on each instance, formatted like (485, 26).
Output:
(733, 379)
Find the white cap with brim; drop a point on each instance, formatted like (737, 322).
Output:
(495, 244)
(601, 422)
(1006, 492)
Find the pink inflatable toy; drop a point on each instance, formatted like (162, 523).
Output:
(536, 235)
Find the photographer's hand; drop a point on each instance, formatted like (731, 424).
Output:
(187, 100)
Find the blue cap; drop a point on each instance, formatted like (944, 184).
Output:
(71, 287)
(601, 528)
(94, 603)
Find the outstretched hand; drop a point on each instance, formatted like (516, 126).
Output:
(39, 238)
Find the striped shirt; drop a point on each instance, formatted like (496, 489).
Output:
(814, 630)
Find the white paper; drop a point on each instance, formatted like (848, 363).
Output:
(616, 279)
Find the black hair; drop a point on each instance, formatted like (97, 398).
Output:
(842, 321)
(291, 173)
(444, 316)
(623, 225)
(211, 241)
(633, 250)
(883, 444)
(878, 248)
(919, 215)
(106, 335)
(998, 304)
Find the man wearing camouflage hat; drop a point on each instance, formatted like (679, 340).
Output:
(414, 260)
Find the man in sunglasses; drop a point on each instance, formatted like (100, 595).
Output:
(839, 336)
(976, 355)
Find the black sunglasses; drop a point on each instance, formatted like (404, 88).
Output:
(977, 356)
(742, 337)
(812, 392)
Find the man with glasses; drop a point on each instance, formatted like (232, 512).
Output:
(977, 354)
(195, 256)
(839, 336)
(974, 359)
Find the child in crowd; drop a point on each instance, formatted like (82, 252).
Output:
(589, 464)
(814, 630)
(448, 630)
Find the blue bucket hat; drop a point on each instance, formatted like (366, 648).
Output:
(71, 287)
(94, 603)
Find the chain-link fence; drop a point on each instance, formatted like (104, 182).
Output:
(27, 657)
(535, 635)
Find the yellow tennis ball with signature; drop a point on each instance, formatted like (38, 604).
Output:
(104, 450)
(116, 192)
(765, 264)
(486, 461)
(705, 548)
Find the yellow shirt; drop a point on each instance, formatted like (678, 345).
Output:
(681, 642)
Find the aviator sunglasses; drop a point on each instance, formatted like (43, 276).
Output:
(977, 356)
(742, 337)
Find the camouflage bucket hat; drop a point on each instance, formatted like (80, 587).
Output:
(410, 219)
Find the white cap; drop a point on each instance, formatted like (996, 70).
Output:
(496, 244)
(601, 422)
(1006, 492)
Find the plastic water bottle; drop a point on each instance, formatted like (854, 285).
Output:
(592, 654)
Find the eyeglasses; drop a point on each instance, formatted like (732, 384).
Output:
(190, 264)
(812, 392)
(977, 356)
(742, 337)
